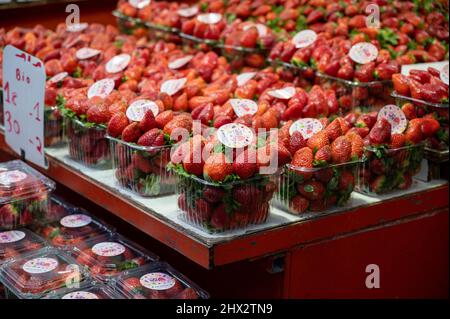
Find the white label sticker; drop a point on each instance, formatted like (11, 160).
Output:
(101, 88)
(40, 265)
(77, 27)
(76, 221)
(244, 106)
(283, 94)
(12, 177)
(58, 77)
(80, 295)
(178, 63)
(262, 29)
(86, 53)
(139, 4)
(188, 12)
(235, 135)
(395, 116)
(363, 52)
(108, 249)
(118, 63)
(209, 18)
(157, 281)
(137, 109)
(307, 127)
(173, 86)
(244, 78)
(304, 38)
(11, 236)
(444, 74)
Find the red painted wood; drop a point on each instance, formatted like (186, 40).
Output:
(412, 255)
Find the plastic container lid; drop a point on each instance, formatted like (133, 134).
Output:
(14, 243)
(158, 281)
(110, 255)
(33, 275)
(88, 290)
(19, 181)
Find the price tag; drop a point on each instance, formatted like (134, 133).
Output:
(139, 4)
(283, 94)
(304, 38)
(262, 29)
(178, 63)
(235, 135)
(86, 53)
(77, 27)
(307, 127)
(23, 100)
(188, 12)
(118, 63)
(209, 18)
(244, 106)
(244, 78)
(444, 74)
(395, 116)
(363, 52)
(173, 86)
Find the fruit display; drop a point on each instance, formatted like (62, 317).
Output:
(33, 275)
(14, 243)
(323, 172)
(110, 255)
(158, 281)
(87, 290)
(24, 194)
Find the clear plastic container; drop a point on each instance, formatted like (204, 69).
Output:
(88, 290)
(386, 170)
(24, 194)
(14, 243)
(88, 144)
(157, 281)
(220, 207)
(1, 107)
(310, 190)
(33, 275)
(110, 255)
(54, 127)
(142, 169)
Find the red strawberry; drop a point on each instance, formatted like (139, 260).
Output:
(193, 162)
(153, 137)
(222, 120)
(318, 141)
(249, 37)
(317, 205)
(217, 167)
(341, 150)
(296, 142)
(406, 182)
(202, 210)
(241, 194)
(324, 175)
(381, 132)
(410, 111)
(346, 181)
(323, 154)
(401, 84)
(378, 184)
(117, 124)
(299, 204)
(334, 130)
(148, 121)
(131, 133)
(312, 190)
(163, 118)
(245, 164)
(357, 144)
(397, 141)
(213, 194)
(429, 126)
(413, 133)
(98, 113)
(187, 293)
(219, 219)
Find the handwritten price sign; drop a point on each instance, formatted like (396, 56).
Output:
(23, 100)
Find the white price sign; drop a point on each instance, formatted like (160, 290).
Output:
(23, 100)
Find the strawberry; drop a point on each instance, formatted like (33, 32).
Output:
(217, 167)
(148, 122)
(187, 293)
(193, 163)
(346, 181)
(213, 194)
(222, 120)
(179, 126)
(379, 184)
(117, 124)
(334, 130)
(245, 164)
(410, 111)
(381, 132)
(242, 193)
(219, 219)
(397, 141)
(163, 118)
(249, 38)
(181, 103)
(318, 141)
(296, 142)
(323, 154)
(284, 156)
(203, 113)
(401, 84)
(413, 133)
(324, 175)
(153, 137)
(312, 190)
(429, 127)
(357, 145)
(303, 158)
(317, 205)
(131, 133)
(202, 210)
(406, 181)
(341, 150)
(299, 204)
(98, 114)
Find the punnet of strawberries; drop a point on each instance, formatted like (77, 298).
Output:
(158, 281)
(323, 170)
(18, 242)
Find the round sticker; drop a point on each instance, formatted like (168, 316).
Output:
(244, 106)
(188, 12)
(101, 88)
(75, 221)
(283, 94)
(178, 63)
(118, 63)
(77, 27)
(137, 109)
(58, 77)
(395, 116)
(80, 295)
(12, 177)
(262, 29)
(209, 18)
(108, 249)
(363, 52)
(304, 38)
(235, 135)
(11, 236)
(40, 265)
(173, 86)
(444, 74)
(86, 53)
(244, 78)
(157, 281)
(307, 127)
(139, 4)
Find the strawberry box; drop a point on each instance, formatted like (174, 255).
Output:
(24, 195)
(110, 255)
(142, 169)
(388, 169)
(33, 275)
(316, 189)
(54, 127)
(157, 281)
(14, 243)
(87, 290)
(88, 144)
